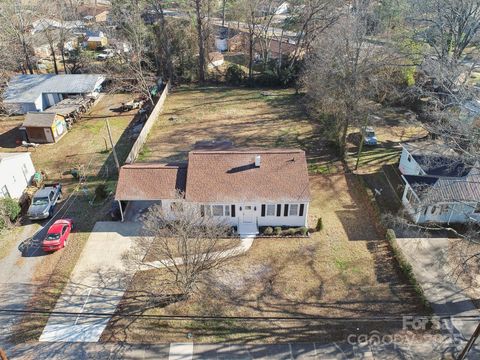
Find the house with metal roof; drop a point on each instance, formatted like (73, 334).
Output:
(26, 93)
(439, 186)
(244, 188)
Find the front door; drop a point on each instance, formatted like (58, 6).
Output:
(248, 214)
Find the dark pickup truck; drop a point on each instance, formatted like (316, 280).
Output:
(43, 202)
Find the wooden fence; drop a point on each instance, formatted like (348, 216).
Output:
(142, 137)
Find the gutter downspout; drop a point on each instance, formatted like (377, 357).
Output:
(121, 210)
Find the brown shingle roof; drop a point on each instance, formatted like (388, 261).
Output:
(150, 181)
(231, 175)
(39, 119)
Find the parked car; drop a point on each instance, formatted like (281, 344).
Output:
(43, 202)
(57, 235)
(105, 54)
(369, 136)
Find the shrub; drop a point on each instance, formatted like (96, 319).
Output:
(10, 208)
(101, 191)
(319, 226)
(291, 231)
(278, 230)
(268, 231)
(9, 211)
(303, 230)
(234, 75)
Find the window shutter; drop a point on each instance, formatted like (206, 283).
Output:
(302, 209)
(279, 209)
(285, 210)
(263, 209)
(233, 210)
(202, 210)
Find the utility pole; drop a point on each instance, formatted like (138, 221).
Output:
(113, 147)
(470, 343)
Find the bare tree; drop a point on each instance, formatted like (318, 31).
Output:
(184, 241)
(15, 19)
(345, 72)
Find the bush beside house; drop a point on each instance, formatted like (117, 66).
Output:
(283, 231)
(9, 212)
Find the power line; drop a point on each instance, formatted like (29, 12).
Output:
(243, 318)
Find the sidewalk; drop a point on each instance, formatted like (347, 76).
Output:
(428, 258)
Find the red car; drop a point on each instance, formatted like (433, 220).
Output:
(57, 235)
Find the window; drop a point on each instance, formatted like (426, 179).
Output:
(227, 210)
(293, 210)
(444, 208)
(279, 209)
(302, 209)
(409, 158)
(262, 213)
(5, 192)
(433, 210)
(208, 210)
(233, 210)
(285, 210)
(14, 180)
(410, 196)
(217, 210)
(202, 210)
(270, 210)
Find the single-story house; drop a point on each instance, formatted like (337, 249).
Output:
(244, 188)
(439, 186)
(44, 127)
(16, 172)
(442, 200)
(26, 93)
(95, 40)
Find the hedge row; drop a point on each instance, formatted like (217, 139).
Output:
(405, 267)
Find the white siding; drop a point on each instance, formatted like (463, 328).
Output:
(408, 165)
(443, 213)
(12, 174)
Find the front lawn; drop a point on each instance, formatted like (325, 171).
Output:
(344, 271)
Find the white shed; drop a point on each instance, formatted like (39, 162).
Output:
(16, 172)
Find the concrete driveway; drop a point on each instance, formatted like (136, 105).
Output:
(429, 260)
(96, 285)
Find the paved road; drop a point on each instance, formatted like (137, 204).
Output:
(17, 269)
(96, 284)
(429, 260)
(189, 351)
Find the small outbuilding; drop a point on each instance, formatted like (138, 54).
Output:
(44, 127)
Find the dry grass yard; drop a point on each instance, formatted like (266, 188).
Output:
(344, 271)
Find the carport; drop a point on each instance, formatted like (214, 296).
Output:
(142, 185)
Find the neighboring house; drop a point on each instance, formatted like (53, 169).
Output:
(44, 127)
(95, 40)
(439, 187)
(244, 188)
(26, 93)
(16, 172)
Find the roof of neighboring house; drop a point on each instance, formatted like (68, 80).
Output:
(437, 159)
(7, 156)
(27, 88)
(434, 189)
(150, 181)
(39, 119)
(95, 38)
(231, 175)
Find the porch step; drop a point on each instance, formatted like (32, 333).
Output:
(247, 229)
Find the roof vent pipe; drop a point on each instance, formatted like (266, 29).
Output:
(257, 160)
